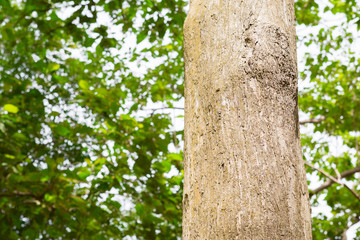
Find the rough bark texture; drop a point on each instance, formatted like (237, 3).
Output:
(244, 176)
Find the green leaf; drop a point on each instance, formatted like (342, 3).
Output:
(141, 37)
(139, 209)
(83, 174)
(175, 156)
(9, 156)
(84, 84)
(62, 131)
(49, 198)
(10, 108)
(20, 137)
(52, 67)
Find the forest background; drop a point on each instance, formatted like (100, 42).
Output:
(91, 108)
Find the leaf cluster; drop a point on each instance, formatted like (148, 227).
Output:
(81, 158)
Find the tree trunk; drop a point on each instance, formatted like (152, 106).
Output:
(244, 176)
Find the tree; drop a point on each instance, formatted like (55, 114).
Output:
(87, 146)
(244, 176)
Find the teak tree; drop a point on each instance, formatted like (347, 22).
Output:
(244, 176)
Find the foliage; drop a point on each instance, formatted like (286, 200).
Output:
(332, 100)
(79, 159)
(86, 151)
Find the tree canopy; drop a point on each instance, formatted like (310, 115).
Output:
(89, 89)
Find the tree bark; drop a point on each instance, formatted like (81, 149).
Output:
(244, 176)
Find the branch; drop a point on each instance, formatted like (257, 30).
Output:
(347, 228)
(328, 183)
(352, 191)
(313, 120)
(17, 194)
(332, 179)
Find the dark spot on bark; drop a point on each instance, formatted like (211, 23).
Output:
(247, 42)
(296, 116)
(272, 66)
(186, 201)
(213, 17)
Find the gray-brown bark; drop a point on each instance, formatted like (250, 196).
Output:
(244, 175)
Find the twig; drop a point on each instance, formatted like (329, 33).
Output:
(352, 191)
(323, 172)
(17, 194)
